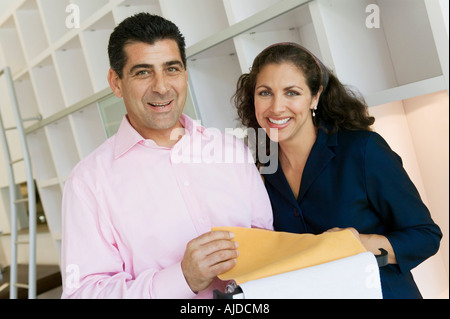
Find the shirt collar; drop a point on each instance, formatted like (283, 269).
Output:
(127, 137)
(192, 126)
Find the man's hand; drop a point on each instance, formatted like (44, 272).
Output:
(206, 257)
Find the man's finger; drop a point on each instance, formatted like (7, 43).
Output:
(223, 267)
(218, 245)
(214, 235)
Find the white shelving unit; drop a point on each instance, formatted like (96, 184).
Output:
(60, 73)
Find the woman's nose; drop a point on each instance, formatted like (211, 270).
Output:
(278, 105)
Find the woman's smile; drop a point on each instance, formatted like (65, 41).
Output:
(278, 122)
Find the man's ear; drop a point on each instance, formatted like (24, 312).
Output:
(115, 83)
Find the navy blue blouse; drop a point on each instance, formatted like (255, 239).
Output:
(354, 179)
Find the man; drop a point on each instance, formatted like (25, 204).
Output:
(136, 214)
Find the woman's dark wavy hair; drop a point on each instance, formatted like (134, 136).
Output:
(339, 106)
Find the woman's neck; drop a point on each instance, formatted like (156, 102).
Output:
(295, 152)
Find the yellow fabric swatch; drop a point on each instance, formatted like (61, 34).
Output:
(264, 253)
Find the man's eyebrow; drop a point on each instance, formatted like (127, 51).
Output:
(151, 66)
(174, 62)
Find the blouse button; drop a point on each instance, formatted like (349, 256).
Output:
(296, 213)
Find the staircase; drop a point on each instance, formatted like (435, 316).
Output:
(48, 277)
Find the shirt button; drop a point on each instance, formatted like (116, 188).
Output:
(187, 184)
(201, 220)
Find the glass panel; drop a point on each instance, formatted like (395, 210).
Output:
(112, 110)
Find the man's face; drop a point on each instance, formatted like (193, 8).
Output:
(153, 87)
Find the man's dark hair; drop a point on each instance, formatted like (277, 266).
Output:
(142, 27)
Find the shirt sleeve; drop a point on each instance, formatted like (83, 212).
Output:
(262, 215)
(91, 263)
(409, 226)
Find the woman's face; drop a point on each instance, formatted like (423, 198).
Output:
(283, 102)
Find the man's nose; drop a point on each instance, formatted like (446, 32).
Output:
(160, 85)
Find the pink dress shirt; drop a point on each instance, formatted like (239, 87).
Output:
(131, 207)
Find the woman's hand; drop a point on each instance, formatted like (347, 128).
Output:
(371, 242)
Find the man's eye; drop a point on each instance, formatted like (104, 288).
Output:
(142, 73)
(173, 69)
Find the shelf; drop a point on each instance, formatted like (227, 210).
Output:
(5, 105)
(41, 155)
(54, 17)
(410, 41)
(73, 73)
(88, 129)
(99, 96)
(212, 94)
(88, 7)
(210, 17)
(56, 14)
(95, 40)
(5, 6)
(22, 220)
(51, 197)
(407, 91)
(131, 7)
(63, 147)
(4, 179)
(293, 26)
(13, 52)
(48, 183)
(31, 29)
(26, 99)
(16, 154)
(48, 92)
(15, 148)
(379, 58)
(241, 27)
(238, 10)
(5, 228)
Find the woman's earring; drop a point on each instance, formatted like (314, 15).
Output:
(314, 111)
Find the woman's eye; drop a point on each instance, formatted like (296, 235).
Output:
(292, 93)
(264, 93)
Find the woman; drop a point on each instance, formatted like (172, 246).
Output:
(333, 171)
